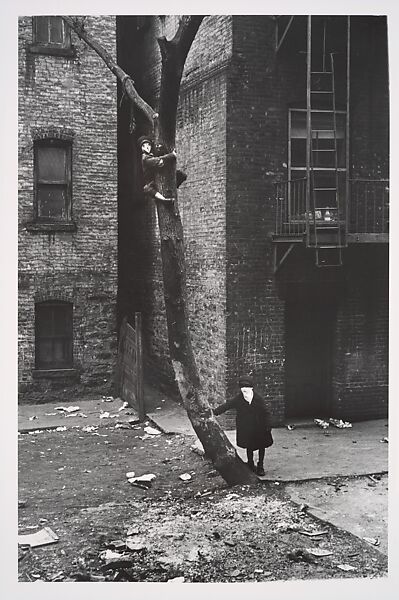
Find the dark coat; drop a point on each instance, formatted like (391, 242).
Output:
(151, 165)
(253, 421)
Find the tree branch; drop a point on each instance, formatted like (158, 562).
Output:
(123, 77)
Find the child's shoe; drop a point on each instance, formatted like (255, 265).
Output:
(260, 470)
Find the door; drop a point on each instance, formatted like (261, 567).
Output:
(309, 326)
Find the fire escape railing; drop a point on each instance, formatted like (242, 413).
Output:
(368, 207)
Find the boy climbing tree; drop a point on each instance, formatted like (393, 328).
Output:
(153, 160)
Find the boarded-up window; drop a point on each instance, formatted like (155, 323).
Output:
(53, 180)
(51, 31)
(53, 335)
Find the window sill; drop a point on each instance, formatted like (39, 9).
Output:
(38, 227)
(52, 50)
(55, 374)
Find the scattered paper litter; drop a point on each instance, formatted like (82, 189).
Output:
(130, 474)
(321, 423)
(104, 415)
(176, 580)
(50, 414)
(124, 405)
(312, 533)
(152, 431)
(340, 423)
(39, 538)
(384, 440)
(290, 427)
(32, 418)
(319, 552)
(110, 555)
(346, 567)
(107, 399)
(68, 409)
(89, 428)
(185, 476)
(372, 541)
(60, 428)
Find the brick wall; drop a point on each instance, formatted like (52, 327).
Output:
(78, 95)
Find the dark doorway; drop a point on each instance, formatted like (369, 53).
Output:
(310, 317)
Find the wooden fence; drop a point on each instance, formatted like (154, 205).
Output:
(129, 373)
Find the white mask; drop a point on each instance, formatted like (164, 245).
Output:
(248, 393)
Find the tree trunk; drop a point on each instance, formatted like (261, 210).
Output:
(174, 52)
(216, 445)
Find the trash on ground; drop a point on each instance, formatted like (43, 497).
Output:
(133, 531)
(372, 541)
(32, 418)
(319, 551)
(60, 428)
(372, 478)
(340, 423)
(258, 571)
(185, 476)
(176, 580)
(50, 414)
(39, 538)
(68, 409)
(22, 503)
(122, 426)
(104, 415)
(321, 423)
(312, 533)
(36, 431)
(79, 414)
(57, 577)
(107, 399)
(110, 555)
(303, 507)
(130, 474)
(290, 427)
(144, 481)
(197, 450)
(124, 406)
(346, 567)
(152, 431)
(89, 428)
(384, 440)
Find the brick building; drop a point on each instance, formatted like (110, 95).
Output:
(67, 210)
(283, 129)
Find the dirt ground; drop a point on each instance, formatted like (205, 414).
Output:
(109, 530)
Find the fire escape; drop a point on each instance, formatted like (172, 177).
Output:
(319, 205)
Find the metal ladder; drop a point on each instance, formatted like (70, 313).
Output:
(325, 233)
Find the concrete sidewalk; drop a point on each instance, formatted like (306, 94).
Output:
(306, 452)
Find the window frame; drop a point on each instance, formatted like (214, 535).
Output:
(66, 183)
(54, 365)
(63, 48)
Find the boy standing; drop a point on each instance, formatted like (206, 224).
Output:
(253, 422)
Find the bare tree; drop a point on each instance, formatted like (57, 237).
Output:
(174, 53)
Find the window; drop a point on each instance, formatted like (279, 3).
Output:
(53, 335)
(53, 178)
(51, 32)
